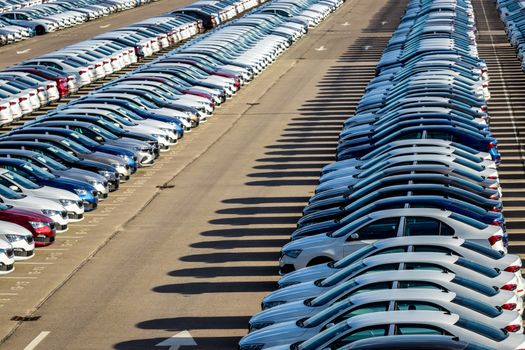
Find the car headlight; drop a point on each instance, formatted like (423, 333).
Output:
(294, 253)
(80, 191)
(50, 212)
(251, 347)
(67, 202)
(14, 238)
(106, 174)
(38, 224)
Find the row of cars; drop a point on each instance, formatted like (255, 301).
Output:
(512, 13)
(20, 23)
(9, 5)
(57, 167)
(32, 84)
(403, 245)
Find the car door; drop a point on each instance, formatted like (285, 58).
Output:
(368, 234)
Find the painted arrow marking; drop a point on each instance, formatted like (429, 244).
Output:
(183, 338)
(367, 47)
(345, 24)
(322, 48)
(384, 22)
(23, 51)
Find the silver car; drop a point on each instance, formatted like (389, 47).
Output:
(399, 261)
(439, 244)
(298, 330)
(322, 248)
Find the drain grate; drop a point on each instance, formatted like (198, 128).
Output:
(25, 318)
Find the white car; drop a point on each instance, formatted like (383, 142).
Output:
(401, 261)
(54, 211)
(20, 239)
(411, 322)
(7, 258)
(298, 330)
(70, 201)
(322, 248)
(439, 244)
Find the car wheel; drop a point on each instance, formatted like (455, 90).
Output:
(40, 30)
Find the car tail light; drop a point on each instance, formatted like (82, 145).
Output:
(510, 286)
(97, 65)
(509, 306)
(494, 239)
(484, 108)
(32, 94)
(82, 72)
(513, 328)
(494, 196)
(491, 145)
(50, 86)
(494, 186)
(22, 99)
(496, 209)
(70, 78)
(2, 108)
(40, 89)
(513, 268)
(12, 103)
(496, 222)
(492, 177)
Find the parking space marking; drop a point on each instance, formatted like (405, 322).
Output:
(18, 277)
(35, 342)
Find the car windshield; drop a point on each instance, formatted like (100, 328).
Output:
(355, 256)
(478, 287)
(325, 315)
(51, 163)
(106, 134)
(320, 339)
(84, 139)
(63, 154)
(474, 266)
(481, 249)
(478, 306)
(38, 172)
(78, 148)
(20, 180)
(9, 193)
(482, 329)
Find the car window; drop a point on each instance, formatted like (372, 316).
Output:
(478, 306)
(345, 293)
(478, 287)
(474, 223)
(392, 250)
(378, 268)
(424, 266)
(416, 329)
(432, 249)
(478, 248)
(482, 329)
(479, 268)
(380, 229)
(362, 310)
(363, 333)
(419, 284)
(417, 305)
(423, 226)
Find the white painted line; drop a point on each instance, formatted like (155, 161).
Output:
(105, 25)
(183, 338)
(367, 47)
(345, 24)
(8, 294)
(17, 278)
(322, 48)
(23, 51)
(37, 340)
(54, 249)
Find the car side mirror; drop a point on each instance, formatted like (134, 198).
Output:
(99, 138)
(330, 325)
(14, 188)
(354, 235)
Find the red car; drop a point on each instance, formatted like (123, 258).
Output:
(61, 79)
(39, 225)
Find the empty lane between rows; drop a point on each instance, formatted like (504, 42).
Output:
(39, 45)
(190, 246)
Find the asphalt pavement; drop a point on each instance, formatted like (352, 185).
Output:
(188, 248)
